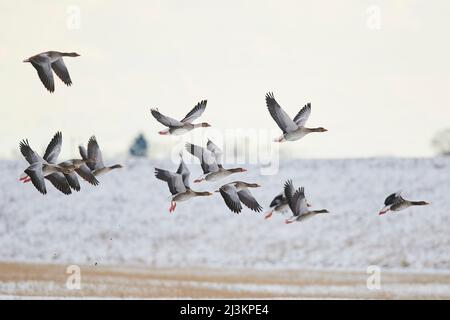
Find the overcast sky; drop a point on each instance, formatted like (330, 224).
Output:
(376, 72)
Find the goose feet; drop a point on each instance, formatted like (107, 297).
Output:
(173, 205)
(268, 215)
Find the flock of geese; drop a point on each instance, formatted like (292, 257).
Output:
(64, 175)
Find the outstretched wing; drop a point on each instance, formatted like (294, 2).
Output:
(37, 177)
(61, 71)
(174, 180)
(279, 115)
(196, 112)
(28, 153)
(206, 157)
(165, 120)
(53, 148)
(393, 198)
(184, 171)
(83, 152)
(229, 194)
(87, 175)
(45, 74)
(298, 202)
(289, 190)
(72, 179)
(217, 152)
(247, 198)
(277, 200)
(94, 153)
(303, 115)
(59, 181)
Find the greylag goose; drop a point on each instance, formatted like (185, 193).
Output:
(234, 193)
(210, 161)
(178, 183)
(79, 166)
(395, 202)
(93, 152)
(45, 62)
(298, 204)
(176, 127)
(44, 167)
(292, 129)
(279, 204)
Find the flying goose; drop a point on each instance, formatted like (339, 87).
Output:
(41, 168)
(178, 183)
(176, 127)
(68, 168)
(79, 166)
(234, 193)
(395, 202)
(210, 161)
(46, 61)
(93, 152)
(279, 204)
(292, 129)
(298, 204)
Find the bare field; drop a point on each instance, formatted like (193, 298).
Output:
(25, 280)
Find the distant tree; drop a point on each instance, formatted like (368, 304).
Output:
(140, 146)
(441, 142)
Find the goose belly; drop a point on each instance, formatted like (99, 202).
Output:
(306, 216)
(182, 197)
(295, 135)
(179, 131)
(48, 170)
(400, 206)
(216, 176)
(100, 172)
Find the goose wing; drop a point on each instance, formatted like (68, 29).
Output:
(217, 152)
(279, 115)
(72, 179)
(196, 112)
(29, 154)
(185, 173)
(230, 195)
(83, 152)
(165, 120)
(298, 202)
(59, 181)
(277, 200)
(87, 174)
(174, 180)
(53, 148)
(393, 199)
(94, 153)
(37, 177)
(303, 115)
(45, 73)
(247, 198)
(61, 71)
(289, 190)
(206, 157)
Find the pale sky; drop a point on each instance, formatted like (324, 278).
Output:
(376, 72)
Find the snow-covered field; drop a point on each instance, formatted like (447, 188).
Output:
(125, 220)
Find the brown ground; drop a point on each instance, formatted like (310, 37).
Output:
(43, 280)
